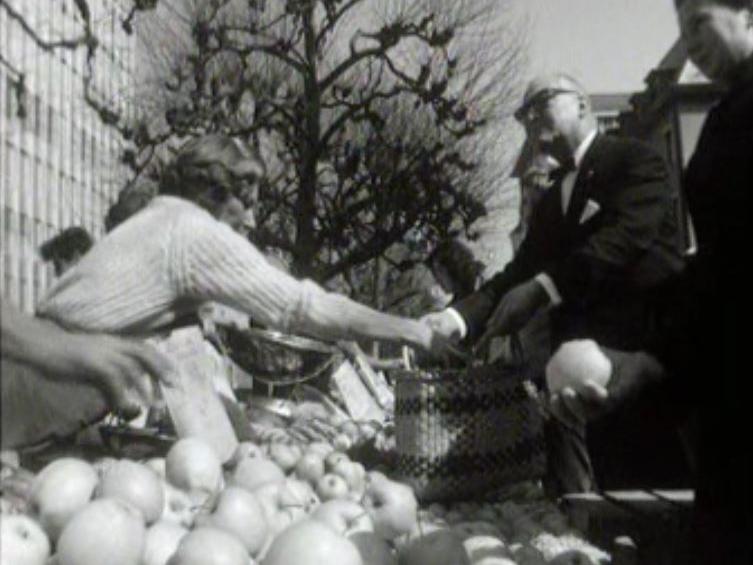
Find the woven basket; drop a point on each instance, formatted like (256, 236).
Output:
(461, 434)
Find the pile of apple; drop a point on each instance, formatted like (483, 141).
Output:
(280, 503)
(276, 506)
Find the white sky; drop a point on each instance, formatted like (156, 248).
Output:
(611, 45)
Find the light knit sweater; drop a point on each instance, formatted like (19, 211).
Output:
(174, 256)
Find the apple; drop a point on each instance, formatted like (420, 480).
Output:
(162, 539)
(342, 442)
(486, 513)
(283, 505)
(572, 557)
(286, 455)
(310, 467)
(555, 523)
(61, 489)
(481, 545)
(354, 474)
(527, 555)
(178, 507)
(374, 549)
(576, 362)
(105, 531)
(158, 465)
(253, 473)
(295, 492)
(478, 528)
(23, 541)
(334, 458)
(193, 466)
(351, 429)
(344, 516)
(246, 450)
(136, 484)
(210, 546)
(311, 543)
(441, 547)
(323, 448)
(391, 505)
(331, 486)
(240, 513)
(495, 560)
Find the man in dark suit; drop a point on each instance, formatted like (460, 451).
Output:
(602, 244)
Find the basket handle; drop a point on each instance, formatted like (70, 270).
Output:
(409, 358)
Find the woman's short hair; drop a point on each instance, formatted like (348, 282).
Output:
(210, 163)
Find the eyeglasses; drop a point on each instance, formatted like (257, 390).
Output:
(532, 108)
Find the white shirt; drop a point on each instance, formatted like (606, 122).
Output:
(568, 183)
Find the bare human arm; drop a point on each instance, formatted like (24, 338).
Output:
(113, 365)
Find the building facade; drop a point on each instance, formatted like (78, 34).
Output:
(59, 163)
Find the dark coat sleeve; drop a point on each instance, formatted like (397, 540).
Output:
(636, 198)
(477, 307)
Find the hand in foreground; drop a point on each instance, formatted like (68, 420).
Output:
(514, 311)
(113, 365)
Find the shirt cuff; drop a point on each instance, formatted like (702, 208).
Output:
(551, 289)
(459, 320)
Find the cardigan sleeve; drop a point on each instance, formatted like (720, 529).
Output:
(210, 261)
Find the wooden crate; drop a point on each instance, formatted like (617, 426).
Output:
(657, 522)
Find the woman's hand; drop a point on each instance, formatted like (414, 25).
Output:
(113, 365)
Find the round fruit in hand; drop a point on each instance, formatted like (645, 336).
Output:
(23, 542)
(105, 531)
(575, 363)
(311, 543)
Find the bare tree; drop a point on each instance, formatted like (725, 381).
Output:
(375, 117)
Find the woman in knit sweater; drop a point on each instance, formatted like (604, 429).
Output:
(180, 251)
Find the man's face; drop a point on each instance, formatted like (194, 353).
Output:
(548, 113)
(717, 37)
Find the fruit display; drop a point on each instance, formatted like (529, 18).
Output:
(281, 501)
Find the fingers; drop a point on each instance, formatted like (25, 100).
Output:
(114, 388)
(594, 392)
(154, 363)
(563, 413)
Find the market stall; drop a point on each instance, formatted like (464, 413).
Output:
(332, 460)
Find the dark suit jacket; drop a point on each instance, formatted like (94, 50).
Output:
(607, 267)
(708, 348)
